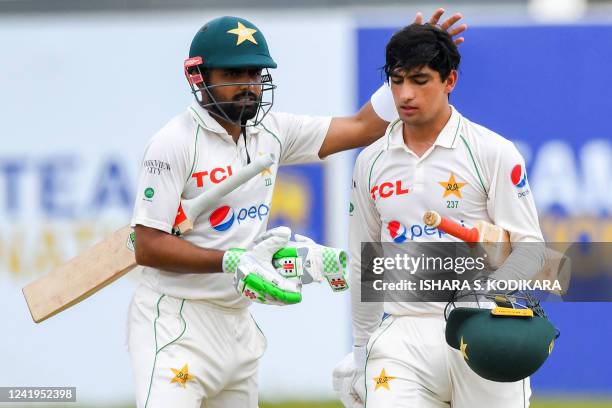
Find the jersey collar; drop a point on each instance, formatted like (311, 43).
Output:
(205, 120)
(447, 138)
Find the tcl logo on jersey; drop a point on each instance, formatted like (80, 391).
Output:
(399, 233)
(223, 217)
(216, 175)
(388, 189)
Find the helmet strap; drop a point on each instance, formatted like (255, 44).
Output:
(246, 149)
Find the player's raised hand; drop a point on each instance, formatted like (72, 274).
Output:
(447, 25)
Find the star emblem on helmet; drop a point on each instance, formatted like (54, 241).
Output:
(463, 349)
(551, 346)
(243, 34)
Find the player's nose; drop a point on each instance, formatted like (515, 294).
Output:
(407, 92)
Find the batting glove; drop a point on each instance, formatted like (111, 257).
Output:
(349, 378)
(311, 262)
(255, 277)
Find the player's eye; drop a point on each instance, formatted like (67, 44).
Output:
(255, 73)
(397, 80)
(420, 80)
(233, 73)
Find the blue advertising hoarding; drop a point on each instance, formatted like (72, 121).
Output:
(298, 200)
(545, 88)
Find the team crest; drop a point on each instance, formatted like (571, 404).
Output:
(382, 381)
(266, 173)
(243, 33)
(452, 187)
(181, 376)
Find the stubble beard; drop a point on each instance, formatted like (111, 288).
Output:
(235, 111)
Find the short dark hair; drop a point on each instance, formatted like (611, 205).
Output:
(420, 45)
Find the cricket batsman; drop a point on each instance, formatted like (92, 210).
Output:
(431, 157)
(192, 340)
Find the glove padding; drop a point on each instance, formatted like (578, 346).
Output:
(349, 378)
(255, 277)
(311, 262)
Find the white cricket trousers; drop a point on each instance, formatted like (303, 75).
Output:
(409, 365)
(191, 353)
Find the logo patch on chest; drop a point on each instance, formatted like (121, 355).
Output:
(223, 218)
(388, 189)
(397, 231)
(216, 175)
(452, 187)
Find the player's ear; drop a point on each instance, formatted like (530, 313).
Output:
(451, 81)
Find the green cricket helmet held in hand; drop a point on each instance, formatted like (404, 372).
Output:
(506, 343)
(230, 43)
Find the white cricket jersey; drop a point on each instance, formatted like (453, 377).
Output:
(191, 154)
(470, 173)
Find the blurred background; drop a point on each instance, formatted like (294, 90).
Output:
(85, 84)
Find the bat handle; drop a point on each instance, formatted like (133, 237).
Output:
(435, 220)
(186, 214)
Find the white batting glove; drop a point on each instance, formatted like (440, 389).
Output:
(315, 263)
(349, 378)
(255, 277)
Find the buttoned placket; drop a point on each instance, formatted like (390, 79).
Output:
(417, 164)
(203, 118)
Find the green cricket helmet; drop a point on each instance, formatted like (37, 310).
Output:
(507, 343)
(230, 43)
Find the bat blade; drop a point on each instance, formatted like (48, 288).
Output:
(107, 261)
(81, 277)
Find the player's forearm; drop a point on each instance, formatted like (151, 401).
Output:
(351, 132)
(161, 250)
(525, 261)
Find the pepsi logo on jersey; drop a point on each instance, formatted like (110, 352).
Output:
(518, 176)
(397, 230)
(399, 233)
(223, 217)
(388, 189)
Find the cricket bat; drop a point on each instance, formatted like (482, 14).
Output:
(110, 259)
(482, 232)
(496, 243)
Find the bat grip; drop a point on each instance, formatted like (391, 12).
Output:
(433, 219)
(470, 235)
